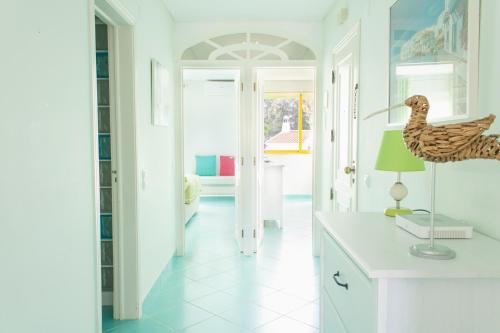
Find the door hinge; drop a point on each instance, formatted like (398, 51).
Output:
(331, 193)
(353, 178)
(254, 86)
(254, 234)
(332, 136)
(333, 77)
(242, 161)
(241, 84)
(115, 177)
(254, 160)
(242, 233)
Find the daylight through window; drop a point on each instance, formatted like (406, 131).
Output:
(288, 120)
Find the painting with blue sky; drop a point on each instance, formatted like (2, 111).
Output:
(428, 30)
(428, 54)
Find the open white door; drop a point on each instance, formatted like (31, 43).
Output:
(258, 91)
(246, 190)
(204, 89)
(238, 226)
(345, 119)
(278, 93)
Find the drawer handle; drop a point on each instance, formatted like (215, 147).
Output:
(335, 277)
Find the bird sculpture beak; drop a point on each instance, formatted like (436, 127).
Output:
(383, 111)
(410, 102)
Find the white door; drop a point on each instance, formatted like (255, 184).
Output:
(258, 91)
(238, 195)
(242, 183)
(345, 121)
(247, 212)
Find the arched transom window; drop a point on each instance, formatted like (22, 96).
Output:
(248, 46)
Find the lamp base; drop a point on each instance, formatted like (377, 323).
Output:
(437, 252)
(393, 211)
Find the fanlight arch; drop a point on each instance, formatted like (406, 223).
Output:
(248, 46)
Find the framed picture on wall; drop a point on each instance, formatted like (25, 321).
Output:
(160, 102)
(434, 51)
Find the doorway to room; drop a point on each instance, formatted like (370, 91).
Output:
(107, 165)
(211, 136)
(115, 176)
(285, 116)
(247, 52)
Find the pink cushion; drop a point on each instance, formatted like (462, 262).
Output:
(226, 165)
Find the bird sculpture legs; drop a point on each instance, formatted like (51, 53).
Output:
(432, 250)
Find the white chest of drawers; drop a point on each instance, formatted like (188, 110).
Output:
(371, 284)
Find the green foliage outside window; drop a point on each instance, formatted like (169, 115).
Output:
(277, 106)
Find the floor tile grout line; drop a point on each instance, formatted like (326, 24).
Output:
(269, 322)
(254, 303)
(218, 316)
(299, 321)
(271, 255)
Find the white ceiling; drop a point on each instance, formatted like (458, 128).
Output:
(248, 10)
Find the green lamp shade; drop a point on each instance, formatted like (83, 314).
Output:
(394, 156)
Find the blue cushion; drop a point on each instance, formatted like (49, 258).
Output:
(206, 165)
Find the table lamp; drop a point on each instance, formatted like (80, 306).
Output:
(394, 156)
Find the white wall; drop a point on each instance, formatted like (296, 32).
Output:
(47, 231)
(467, 190)
(297, 173)
(288, 86)
(156, 146)
(210, 121)
(47, 200)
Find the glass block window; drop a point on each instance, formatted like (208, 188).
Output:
(104, 148)
(107, 278)
(107, 253)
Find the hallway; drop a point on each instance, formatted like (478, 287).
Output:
(214, 289)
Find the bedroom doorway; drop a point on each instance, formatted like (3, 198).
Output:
(247, 52)
(211, 135)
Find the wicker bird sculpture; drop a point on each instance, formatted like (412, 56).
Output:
(448, 143)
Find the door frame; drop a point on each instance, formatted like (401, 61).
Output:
(126, 299)
(247, 151)
(257, 107)
(180, 220)
(354, 34)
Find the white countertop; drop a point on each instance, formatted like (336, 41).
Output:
(380, 249)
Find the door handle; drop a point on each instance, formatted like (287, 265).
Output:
(335, 277)
(349, 170)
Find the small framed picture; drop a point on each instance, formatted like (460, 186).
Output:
(160, 103)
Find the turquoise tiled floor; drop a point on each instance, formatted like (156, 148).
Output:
(214, 289)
